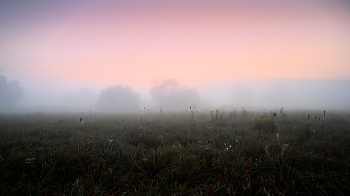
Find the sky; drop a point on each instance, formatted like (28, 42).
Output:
(63, 46)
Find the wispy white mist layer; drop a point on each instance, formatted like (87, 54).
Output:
(252, 93)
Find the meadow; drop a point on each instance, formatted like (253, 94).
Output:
(176, 153)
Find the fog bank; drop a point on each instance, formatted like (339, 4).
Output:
(171, 95)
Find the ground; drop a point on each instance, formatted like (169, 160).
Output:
(175, 153)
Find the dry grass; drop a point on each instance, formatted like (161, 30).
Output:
(56, 154)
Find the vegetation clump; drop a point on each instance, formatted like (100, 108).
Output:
(263, 123)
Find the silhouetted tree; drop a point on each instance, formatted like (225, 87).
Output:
(10, 94)
(170, 95)
(117, 99)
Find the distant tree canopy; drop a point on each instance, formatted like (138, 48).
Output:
(10, 94)
(170, 95)
(117, 99)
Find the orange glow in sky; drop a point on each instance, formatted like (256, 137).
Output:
(134, 43)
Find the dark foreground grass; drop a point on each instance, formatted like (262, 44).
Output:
(56, 154)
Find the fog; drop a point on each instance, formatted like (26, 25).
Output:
(116, 99)
(171, 95)
(82, 100)
(287, 93)
(10, 94)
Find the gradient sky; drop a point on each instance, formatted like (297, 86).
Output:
(134, 42)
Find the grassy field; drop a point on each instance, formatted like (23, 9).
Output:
(199, 153)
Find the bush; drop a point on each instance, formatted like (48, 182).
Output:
(244, 113)
(264, 124)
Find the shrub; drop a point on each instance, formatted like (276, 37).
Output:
(244, 113)
(264, 124)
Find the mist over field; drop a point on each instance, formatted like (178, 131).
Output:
(170, 95)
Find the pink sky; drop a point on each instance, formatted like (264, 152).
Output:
(101, 43)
